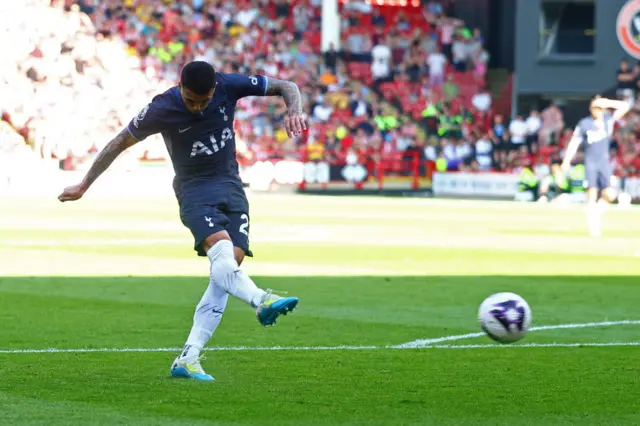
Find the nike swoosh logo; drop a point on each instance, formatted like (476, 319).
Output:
(183, 130)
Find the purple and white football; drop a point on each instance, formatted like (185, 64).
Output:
(505, 317)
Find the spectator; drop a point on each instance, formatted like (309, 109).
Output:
(518, 132)
(552, 125)
(464, 151)
(414, 58)
(447, 29)
(433, 11)
(377, 20)
(401, 22)
(283, 9)
(625, 78)
(431, 149)
(476, 42)
(533, 123)
(427, 41)
(302, 15)
(450, 89)
(481, 64)
(322, 112)
(437, 62)
(460, 54)
(498, 128)
(358, 46)
(398, 49)
(331, 58)
(482, 100)
(381, 66)
(484, 152)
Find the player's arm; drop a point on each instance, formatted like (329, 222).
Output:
(290, 93)
(260, 85)
(105, 158)
(146, 123)
(620, 108)
(572, 148)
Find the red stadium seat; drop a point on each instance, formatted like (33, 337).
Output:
(341, 115)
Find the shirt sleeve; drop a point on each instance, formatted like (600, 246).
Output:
(610, 121)
(148, 122)
(579, 133)
(240, 85)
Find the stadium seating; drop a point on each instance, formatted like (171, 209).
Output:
(147, 43)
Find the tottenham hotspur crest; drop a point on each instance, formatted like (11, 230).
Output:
(223, 112)
(628, 28)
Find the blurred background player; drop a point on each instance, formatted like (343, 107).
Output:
(195, 119)
(594, 134)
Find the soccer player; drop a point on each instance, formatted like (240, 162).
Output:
(595, 133)
(195, 119)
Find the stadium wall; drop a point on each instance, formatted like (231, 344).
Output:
(566, 74)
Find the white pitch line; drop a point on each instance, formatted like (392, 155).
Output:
(421, 343)
(214, 348)
(320, 348)
(536, 345)
(417, 344)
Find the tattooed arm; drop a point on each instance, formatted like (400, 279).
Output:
(105, 158)
(289, 91)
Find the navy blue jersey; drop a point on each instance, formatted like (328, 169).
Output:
(201, 145)
(596, 137)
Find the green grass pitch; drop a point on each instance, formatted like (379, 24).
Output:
(111, 285)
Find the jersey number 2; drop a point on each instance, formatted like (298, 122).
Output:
(244, 226)
(199, 148)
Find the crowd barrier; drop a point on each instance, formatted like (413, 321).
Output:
(271, 175)
(485, 185)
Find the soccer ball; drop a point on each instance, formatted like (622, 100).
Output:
(505, 317)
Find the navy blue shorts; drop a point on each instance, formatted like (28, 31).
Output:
(213, 207)
(598, 175)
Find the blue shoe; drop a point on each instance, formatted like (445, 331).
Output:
(273, 306)
(190, 369)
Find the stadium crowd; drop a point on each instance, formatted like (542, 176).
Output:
(82, 68)
(401, 82)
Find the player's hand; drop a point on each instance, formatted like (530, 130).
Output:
(72, 193)
(294, 124)
(565, 166)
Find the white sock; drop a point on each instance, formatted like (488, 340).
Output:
(244, 281)
(594, 214)
(226, 274)
(603, 205)
(205, 320)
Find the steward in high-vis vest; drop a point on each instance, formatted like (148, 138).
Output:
(529, 182)
(577, 178)
(555, 184)
(442, 165)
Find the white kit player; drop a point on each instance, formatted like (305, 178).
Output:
(595, 132)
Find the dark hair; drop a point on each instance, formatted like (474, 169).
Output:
(199, 77)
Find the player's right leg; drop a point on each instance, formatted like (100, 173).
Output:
(221, 252)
